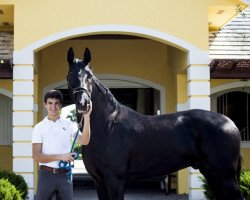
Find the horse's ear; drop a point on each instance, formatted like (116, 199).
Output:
(70, 55)
(87, 56)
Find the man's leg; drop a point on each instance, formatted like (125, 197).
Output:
(64, 188)
(46, 185)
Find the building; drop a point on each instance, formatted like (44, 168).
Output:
(161, 46)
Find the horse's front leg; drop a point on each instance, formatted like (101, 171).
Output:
(115, 185)
(101, 189)
(99, 182)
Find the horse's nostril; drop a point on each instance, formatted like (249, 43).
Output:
(83, 105)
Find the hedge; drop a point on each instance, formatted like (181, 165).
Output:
(16, 180)
(8, 191)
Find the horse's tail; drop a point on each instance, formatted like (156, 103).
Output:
(239, 167)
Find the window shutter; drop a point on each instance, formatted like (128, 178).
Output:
(5, 120)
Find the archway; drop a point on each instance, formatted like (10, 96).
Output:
(196, 55)
(232, 100)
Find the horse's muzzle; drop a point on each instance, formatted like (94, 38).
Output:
(84, 110)
(83, 104)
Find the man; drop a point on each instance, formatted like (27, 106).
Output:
(51, 141)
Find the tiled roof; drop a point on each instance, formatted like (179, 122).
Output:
(6, 54)
(229, 50)
(233, 40)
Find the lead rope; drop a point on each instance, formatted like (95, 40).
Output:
(67, 165)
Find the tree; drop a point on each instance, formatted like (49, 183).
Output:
(72, 115)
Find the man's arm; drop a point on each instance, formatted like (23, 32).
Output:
(38, 156)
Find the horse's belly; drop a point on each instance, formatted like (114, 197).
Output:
(155, 167)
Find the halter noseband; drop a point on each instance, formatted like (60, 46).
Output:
(77, 90)
(80, 89)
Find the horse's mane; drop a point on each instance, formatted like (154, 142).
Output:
(103, 89)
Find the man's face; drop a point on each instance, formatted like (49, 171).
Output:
(53, 107)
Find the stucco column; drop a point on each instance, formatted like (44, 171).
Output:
(198, 75)
(23, 117)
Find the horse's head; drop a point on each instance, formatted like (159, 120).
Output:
(80, 80)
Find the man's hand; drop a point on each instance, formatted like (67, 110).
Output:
(84, 137)
(90, 110)
(45, 158)
(68, 157)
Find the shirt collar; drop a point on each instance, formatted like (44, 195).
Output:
(48, 120)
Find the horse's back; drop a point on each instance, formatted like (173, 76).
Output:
(195, 126)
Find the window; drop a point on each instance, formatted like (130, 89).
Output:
(235, 105)
(5, 120)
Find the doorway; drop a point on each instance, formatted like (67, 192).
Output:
(143, 100)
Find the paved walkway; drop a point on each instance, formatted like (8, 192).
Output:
(90, 194)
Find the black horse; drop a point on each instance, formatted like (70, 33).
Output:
(126, 145)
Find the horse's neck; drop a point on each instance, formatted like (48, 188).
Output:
(104, 104)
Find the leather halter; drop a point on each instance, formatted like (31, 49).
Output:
(77, 90)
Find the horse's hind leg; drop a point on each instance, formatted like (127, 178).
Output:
(223, 185)
(213, 183)
(231, 187)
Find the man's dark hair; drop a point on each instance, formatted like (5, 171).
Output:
(54, 94)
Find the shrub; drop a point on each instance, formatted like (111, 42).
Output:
(78, 149)
(16, 180)
(8, 191)
(207, 191)
(244, 186)
(245, 183)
